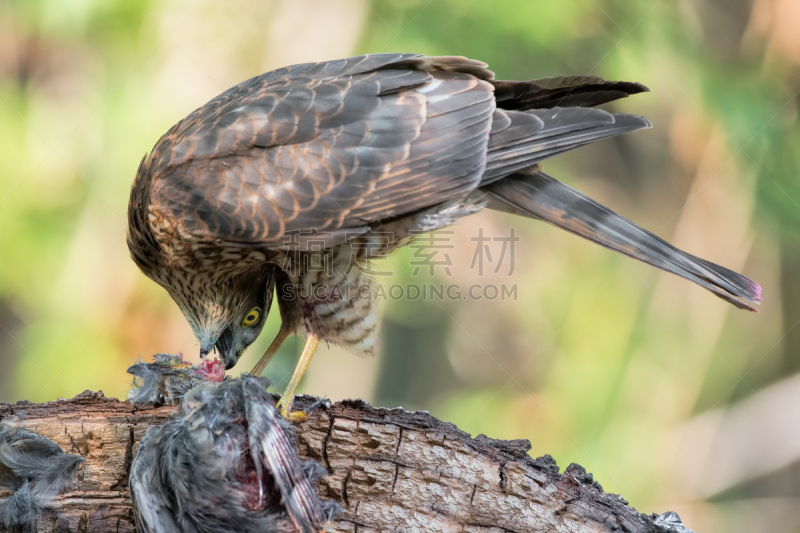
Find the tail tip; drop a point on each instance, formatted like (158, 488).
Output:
(755, 295)
(758, 292)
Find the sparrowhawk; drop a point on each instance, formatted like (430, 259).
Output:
(338, 154)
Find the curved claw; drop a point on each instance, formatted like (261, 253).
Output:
(294, 416)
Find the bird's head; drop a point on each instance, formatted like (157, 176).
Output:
(227, 313)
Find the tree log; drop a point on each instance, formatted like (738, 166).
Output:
(390, 470)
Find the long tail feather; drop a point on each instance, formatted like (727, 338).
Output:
(522, 139)
(563, 91)
(535, 194)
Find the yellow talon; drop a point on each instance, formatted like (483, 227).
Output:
(297, 416)
(285, 403)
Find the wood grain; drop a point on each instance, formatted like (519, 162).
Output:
(390, 470)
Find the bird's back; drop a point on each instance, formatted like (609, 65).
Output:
(346, 143)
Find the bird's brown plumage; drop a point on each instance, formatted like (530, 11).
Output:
(392, 143)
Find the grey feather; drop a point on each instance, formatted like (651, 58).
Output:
(168, 378)
(525, 143)
(670, 522)
(21, 509)
(225, 463)
(36, 469)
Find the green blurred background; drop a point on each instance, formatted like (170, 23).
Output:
(671, 397)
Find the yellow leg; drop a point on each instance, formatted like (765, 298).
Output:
(285, 403)
(279, 339)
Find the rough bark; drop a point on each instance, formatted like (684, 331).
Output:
(390, 470)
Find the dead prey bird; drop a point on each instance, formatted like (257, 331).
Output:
(225, 463)
(329, 158)
(168, 378)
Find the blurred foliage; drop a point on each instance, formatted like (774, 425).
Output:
(598, 360)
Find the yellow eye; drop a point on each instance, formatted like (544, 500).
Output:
(251, 319)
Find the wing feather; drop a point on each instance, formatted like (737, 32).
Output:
(325, 146)
(536, 135)
(562, 91)
(337, 145)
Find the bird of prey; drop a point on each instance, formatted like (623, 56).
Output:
(290, 181)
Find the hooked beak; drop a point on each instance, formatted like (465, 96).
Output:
(224, 346)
